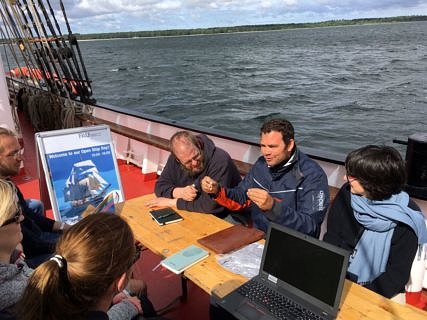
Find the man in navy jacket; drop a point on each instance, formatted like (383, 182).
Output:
(193, 157)
(284, 185)
(39, 232)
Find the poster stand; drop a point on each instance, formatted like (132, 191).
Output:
(80, 169)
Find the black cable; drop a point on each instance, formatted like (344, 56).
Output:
(51, 68)
(67, 67)
(52, 49)
(73, 40)
(42, 63)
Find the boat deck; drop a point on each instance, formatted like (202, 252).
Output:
(164, 287)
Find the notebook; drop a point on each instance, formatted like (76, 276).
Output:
(231, 238)
(300, 274)
(184, 259)
(165, 216)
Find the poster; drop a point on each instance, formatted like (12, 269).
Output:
(80, 169)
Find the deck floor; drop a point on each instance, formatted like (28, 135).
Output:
(164, 287)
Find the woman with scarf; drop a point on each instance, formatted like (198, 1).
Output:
(373, 217)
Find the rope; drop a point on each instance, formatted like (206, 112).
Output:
(47, 111)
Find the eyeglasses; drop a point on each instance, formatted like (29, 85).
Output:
(15, 218)
(196, 157)
(16, 154)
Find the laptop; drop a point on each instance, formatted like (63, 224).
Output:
(298, 274)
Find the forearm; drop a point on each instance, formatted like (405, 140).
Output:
(203, 203)
(123, 310)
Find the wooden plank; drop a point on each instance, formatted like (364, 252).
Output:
(137, 135)
(147, 138)
(168, 239)
(163, 144)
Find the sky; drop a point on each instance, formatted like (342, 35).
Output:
(95, 16)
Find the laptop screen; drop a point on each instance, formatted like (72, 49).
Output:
(308, 264)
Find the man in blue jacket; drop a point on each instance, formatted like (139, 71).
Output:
(284, 185)
(193, 157)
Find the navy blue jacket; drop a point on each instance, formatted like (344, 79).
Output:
(32, 227)
(299, 188)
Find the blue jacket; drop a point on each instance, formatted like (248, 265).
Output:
(299, 188)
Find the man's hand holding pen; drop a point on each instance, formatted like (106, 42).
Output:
(261, 198)
(188, 193)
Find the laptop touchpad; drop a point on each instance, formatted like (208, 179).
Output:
(251, 312)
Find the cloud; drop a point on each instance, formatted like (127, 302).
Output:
(133, 15)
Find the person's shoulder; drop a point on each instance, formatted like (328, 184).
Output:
(403, 231)
(309, 166)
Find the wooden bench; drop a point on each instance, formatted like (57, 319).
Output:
(149, 139)
(163, 144)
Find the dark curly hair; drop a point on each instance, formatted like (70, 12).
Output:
(379, 169)
(280, 125)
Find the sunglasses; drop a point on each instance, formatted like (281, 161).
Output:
(15, 218)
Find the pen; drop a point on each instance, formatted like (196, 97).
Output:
(155, 268)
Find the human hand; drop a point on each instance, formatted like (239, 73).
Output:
(124, 296)
(188, 193)
(136, 302)
(119, 297)
(261, 198)
(209, 185)
(161, 202)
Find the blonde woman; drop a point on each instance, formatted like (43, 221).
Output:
(14, 272)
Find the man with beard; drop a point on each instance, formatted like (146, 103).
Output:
(39, 233)
(193, 157)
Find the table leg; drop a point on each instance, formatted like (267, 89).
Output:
(184, 288)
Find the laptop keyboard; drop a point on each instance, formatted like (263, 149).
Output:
(279, 306)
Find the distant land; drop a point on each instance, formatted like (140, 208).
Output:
(246, 28)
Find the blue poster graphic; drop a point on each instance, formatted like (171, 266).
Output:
(82, 177)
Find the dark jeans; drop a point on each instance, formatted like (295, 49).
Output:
(34, 261)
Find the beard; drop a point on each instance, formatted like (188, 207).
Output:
(195, 171)
(9, 171)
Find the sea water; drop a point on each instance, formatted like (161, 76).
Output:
(341, 87)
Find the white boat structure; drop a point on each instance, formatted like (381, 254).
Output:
(138, 138)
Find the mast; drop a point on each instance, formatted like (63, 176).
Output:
(6, 111)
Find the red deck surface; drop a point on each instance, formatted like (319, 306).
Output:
(163, 286)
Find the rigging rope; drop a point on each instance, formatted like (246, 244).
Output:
(57, 63)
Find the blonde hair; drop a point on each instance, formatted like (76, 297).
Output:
(92, 255)
(8, 200)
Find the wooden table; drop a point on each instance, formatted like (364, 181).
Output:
(357, 301)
